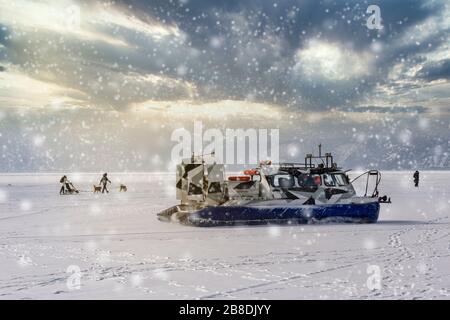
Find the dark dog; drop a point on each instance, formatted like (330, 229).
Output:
(123, 188)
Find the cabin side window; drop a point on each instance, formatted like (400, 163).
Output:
(317, 179)
(194, 190)
(341, 179)
(282, 181)
(328, 180)
(215, 187)
(305, 180)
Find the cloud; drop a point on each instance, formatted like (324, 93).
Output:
(322, 60)
(328, 75)
(254, 51)
(436, 70)
(39, 94)
(87, 21)
(387, 109)
(301, 65)
(213, 110)
(62, 17)
(120, 17)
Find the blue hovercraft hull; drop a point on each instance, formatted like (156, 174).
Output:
(250, 215)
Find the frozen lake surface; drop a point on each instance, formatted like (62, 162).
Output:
(123, 252)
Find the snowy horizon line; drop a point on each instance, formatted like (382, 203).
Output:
(11, 173)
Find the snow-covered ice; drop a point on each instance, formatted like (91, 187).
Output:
(112, 246)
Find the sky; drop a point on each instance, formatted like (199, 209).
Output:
(96, 86)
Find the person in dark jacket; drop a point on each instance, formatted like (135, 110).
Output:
(63, 182)
(103, 183)
(416, 178)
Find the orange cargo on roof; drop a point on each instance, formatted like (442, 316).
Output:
(239, 178)
(251, 172)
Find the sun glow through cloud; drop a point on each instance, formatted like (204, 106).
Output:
(332, 61)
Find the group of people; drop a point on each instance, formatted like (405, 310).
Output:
(67, 186)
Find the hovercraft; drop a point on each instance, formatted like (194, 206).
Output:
(286, 193)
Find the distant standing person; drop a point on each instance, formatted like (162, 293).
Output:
(416, 178)
(63, 182)
(103, 183)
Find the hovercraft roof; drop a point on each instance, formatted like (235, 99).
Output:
(316, 170)
(313, 164)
